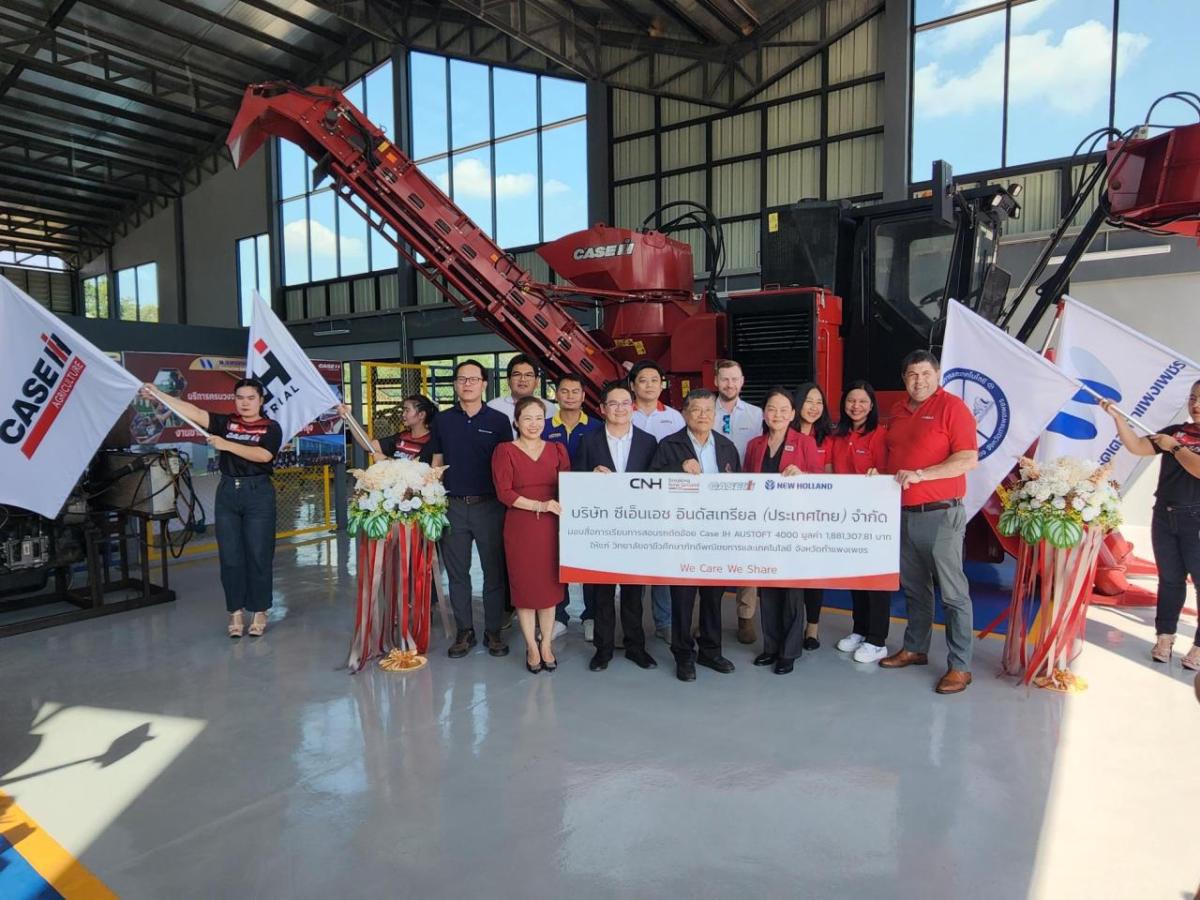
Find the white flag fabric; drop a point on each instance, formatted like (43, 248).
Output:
(1145, 379)
(1011, 390)
(296, 392)
(59, 396)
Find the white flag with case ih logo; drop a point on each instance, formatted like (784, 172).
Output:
(60, 396)
(296, 392)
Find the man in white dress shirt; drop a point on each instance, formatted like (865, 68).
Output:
(523, 381)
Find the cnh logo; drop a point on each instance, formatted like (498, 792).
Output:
(275, 371)
(642, 484)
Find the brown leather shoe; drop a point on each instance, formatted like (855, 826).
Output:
(902, 658)
(953, 682)
(746, 633)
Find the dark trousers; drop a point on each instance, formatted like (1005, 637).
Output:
(813, 599)
(245, 511)
(481, 523)
(683, 605)
(782, 626)
(589, 604)
(604, 606)
(872, 615)
(1175, 536)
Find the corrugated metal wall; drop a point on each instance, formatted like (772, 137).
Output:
(51, 289)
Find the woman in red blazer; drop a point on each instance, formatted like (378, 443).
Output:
(860, 448)
(784, 451)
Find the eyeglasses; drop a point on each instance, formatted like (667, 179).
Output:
(468, 379)
(523, 375)
(619, 404)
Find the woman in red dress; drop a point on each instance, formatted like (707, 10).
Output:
(525, 473)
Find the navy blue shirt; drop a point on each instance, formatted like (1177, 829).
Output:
(466, 444)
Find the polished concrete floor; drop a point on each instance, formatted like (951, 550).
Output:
(175, 763)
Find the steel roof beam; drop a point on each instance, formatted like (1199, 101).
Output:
(245, 30)
(57, 15)
(118, 112)
(36, 133)
(299, 21)
(37, 170)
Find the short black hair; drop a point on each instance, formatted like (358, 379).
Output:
(471, 362)
(569, 376)
(916, 357)
(642, 365)
(618, 385)
(699, 394)
(520, 359)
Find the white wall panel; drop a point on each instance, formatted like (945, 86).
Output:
(737, 135)
(631, 112)
(688, 186)
(633, 202)
(735, 188)
(855, 167)
(632, 159)
(856, 54)
(682, 147)
(794, 122)
(856, 108)
(741, 245)
(793, 176)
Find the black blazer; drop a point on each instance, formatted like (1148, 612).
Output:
(677, 447)
(593, 451)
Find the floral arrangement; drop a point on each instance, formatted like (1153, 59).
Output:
(1057, 499)
(398, 490)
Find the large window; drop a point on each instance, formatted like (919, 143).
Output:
(137, 293)
(254, 272)
(997, 85)
(323, 237)
(510, 148)
(95, 297)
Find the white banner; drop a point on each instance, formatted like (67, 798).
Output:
(60, 397)
(296, 392)
(1012, 392)
(835, 531)
(1148, 381)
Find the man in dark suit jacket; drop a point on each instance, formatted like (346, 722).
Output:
(616, 448)
(697, 449)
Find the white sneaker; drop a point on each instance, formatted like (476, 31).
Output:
(589, 630)
(560, 629)
(850, 643)
(869, 653)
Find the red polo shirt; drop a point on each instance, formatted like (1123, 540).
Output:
(854, 453)
(925, 436)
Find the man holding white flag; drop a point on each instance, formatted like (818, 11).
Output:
(1142, 377)
(59, 396)
(1011, 390)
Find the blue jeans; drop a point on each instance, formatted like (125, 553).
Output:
(245, 511)
(1175, 536)
(660, 601)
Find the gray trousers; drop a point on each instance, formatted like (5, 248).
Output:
(931, 544)
(481, 522)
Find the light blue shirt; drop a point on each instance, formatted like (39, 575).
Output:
(706, 453)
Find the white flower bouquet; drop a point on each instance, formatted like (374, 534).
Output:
(1057, 500)
(398, 490)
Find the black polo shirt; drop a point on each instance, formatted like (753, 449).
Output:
(466, 444)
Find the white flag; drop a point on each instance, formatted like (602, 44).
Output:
(296, 392)
(1011, 391)
(1148, 381)
(59, 396)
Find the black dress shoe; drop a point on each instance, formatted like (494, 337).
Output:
(811, 643)
(685, 671)
(463, 642)
(598, 663)
(533, 670)
(784, 666)
(495, 644)
(765, 659)
(641, 658)
(716, 663)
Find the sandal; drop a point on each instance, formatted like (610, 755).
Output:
(236, 625)
(258, 624)
(1162, 648)
(1192, 660)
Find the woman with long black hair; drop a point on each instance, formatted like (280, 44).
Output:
(417, 416)
(812, 420)
(859, 447)
(247, 442)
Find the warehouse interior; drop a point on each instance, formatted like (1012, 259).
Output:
(143, 754)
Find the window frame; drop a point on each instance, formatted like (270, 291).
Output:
(136, 272)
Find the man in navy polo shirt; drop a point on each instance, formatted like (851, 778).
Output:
(463, 438)
(567, 427)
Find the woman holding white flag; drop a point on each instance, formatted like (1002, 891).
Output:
(245, 507)
(1175, 528)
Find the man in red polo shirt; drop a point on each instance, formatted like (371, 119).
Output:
(931, 446)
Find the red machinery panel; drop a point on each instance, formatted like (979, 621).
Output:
(1157, 180)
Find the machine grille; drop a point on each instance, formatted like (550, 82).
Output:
(772, 337)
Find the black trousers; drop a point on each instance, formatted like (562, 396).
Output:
(782, 625)
(813, 598)
(604, 607)
(480, 523)
(683, 604)
(872, 615)
(1175, 536)
(589, 601)
(245, 511)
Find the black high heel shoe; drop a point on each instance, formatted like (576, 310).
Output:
(550, 667)
(532, 669)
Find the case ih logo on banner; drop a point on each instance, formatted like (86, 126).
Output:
(32, 416)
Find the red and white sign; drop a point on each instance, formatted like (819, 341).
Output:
(59, 396)
(833, 531)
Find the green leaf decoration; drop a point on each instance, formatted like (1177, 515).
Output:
(1031, 530)
(1010, 522)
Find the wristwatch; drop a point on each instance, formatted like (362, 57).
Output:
(1176, 449)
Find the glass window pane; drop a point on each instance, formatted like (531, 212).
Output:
(562, 99)
(928, 10)
(1156, 47)
(515, 101)
(322, 235)
(247, 277)
(294, 170)
(147, 290)
(380, 103)
(517, 192)
(958, 96)
(428, 87)
(383, 254)
(473, 186)
(263, 242)
(564, 180)
(295, 242)
(354, 93)
(127, 294)
(1060, 57)
(470, 119)
(352, 240)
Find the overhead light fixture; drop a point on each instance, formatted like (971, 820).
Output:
(1127, 253)
(332, 330)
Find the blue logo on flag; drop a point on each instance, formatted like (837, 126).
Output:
(988, 404)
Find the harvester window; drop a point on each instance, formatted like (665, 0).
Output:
(911, 261)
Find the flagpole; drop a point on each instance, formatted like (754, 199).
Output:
(360, 433)
(1149, 432)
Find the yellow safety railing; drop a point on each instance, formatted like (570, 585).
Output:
(385, 385)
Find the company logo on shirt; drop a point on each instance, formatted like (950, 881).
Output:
(36, 408)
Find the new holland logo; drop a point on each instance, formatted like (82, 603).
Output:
(988, 404)
(625, 248)
(35, 410)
